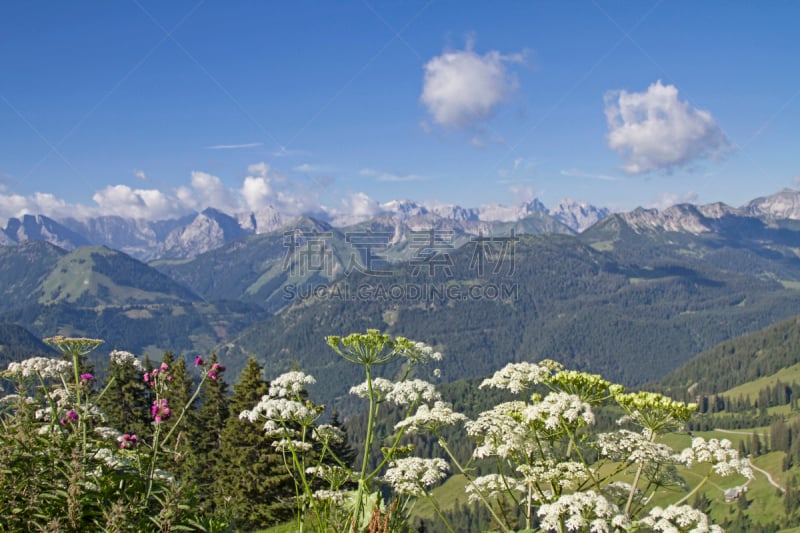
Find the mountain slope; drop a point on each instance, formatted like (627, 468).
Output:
(97, 292)
(562, 300)
(23, 268)
(740, 360)
(97, 276)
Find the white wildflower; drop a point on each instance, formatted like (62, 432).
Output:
(582, 511)
(290, 384)
(286, 445)
(632, 447)
(329, 433)
(413, 475)
(431, 419)
(111, 459)
(380, 388)
(679, 518)
(502, 432)
(283, 410)
(415, 390)
(492, 486)
(567, 474)
(517, 377)
(41, 366)
(122, 358)
(334, 475)
(558, 407)
(422, 353)
(334, 497)
(719, 453)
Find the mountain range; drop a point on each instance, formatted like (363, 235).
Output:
(193, 234)
(631, 296)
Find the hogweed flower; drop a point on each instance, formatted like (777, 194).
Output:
(566, 474)
(590, 388)
(558, 408)
(719, 453)
(414, 475)
(679, 518)
(632, 447)
(501, 432)
(655, 412)
(582, 511)
(431, 419)
(42, 366)
(73, 346)
(122, 358)
(290, 384)
(492, 486)
(517, 377)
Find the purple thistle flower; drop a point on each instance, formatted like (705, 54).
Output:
(87, 377)
(128, 441)
(198, 361)
(160, 410)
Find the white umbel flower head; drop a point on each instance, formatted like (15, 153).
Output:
(558, 408)
(582, 511)
(414, 475)
(122, 358)
(517, 377)
(492, 486)
(290, 384)
(719, 453)
(431, 419)
(677, 518)
(40, 366)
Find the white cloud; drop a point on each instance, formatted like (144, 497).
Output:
(461, 87)
(309, 168)
(262, 187)
(209, 191)
(141, 175)
(123, 201)
(359, 205)
(668, 199)
(233, 146)
(575, 173)
(653, 130)
(259, 169)
(283, 151)
(381, 175)
(522, 193)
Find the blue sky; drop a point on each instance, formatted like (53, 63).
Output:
(151, 109)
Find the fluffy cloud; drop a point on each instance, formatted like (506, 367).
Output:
(668, 199)
(380, 175)
(16, 205)
(262, 187)
(123, 201)
(461, 88)
(653, 130)
(140, 174)
(361, 205)
(209, 191)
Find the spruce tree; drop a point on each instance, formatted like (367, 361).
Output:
(252, 484)
(178, 394)
(125, 402)
(206, 430)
